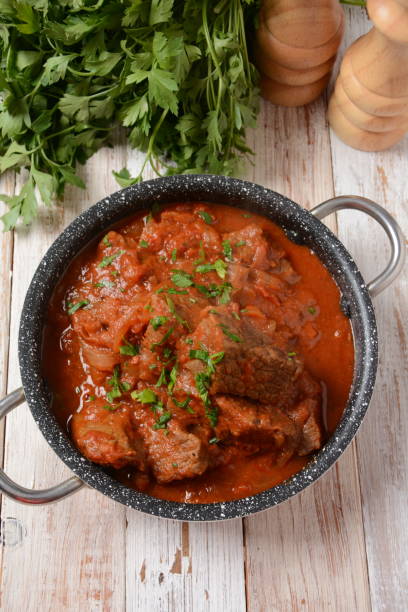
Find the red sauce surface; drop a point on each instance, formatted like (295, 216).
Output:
(311, 328)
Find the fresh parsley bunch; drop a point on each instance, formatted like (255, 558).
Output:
(175, 73)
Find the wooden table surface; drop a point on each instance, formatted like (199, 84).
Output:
(341, 545)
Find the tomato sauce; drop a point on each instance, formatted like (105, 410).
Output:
(98, 368)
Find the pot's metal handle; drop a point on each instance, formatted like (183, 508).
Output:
(30, 496)
(391, 227)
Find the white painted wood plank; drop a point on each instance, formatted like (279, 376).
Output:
(6, 263)
(174, 566)
(382, 441)
(73, 555)
(309, 553)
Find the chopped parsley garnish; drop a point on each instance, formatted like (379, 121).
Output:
(236, 315)
(163, 340)
(117, 385)
(188, 340)
(143, 244)
(158, 321)
(176, 291)
(111, 407)
(201, 253)
(174, 255)
(172, 378)
(106, 241)
(162, 421)
(175, 314)
(114, 272)
(181, 278)
(106, 261)
(312, 310)
(247, 215)
(192, 300)
(91, 398)
(240, 243)
(149, 307)
(175, 465)
(292, 354)
(162, 380)
(219, 266)
(74, 307)
(227, 249)
(223, 291)
(128, 348)
(199, 354)
(184, 404)
(206, 216)
(146, 396)
(167, 352)
(227, 332)
(203, 381)
(213, 440)
(104, 283)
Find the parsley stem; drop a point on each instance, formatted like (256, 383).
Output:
(213, 55)
(152, 138)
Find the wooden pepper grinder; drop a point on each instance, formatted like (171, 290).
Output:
(369, 106)
(296, 46)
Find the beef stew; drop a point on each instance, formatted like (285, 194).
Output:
(197, 353)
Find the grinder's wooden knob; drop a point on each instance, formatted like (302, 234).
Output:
(295, 49)
(369, 106)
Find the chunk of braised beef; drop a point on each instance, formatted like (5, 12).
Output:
(182, 230)
(250, 367)
(174, 453)
(250, 246)
(108, 437)
(250, 421)
(307, 415)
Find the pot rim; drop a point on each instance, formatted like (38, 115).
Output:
(300, 226)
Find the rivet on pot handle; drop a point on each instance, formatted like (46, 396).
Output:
(30, 496)
(390, 226)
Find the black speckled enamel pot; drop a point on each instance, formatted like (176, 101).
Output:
(302, 227)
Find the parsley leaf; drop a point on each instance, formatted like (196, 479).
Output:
(146, 396)
(162, 421)
(181, 278)
(206, 216)
(158, 321)
(219, 266)
(227, 249)
(74, 307)
(163, 340)
(227, 332)
(109, 259)
(128, 349)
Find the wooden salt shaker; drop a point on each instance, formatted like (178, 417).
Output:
(296, 46)
(369, 106)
